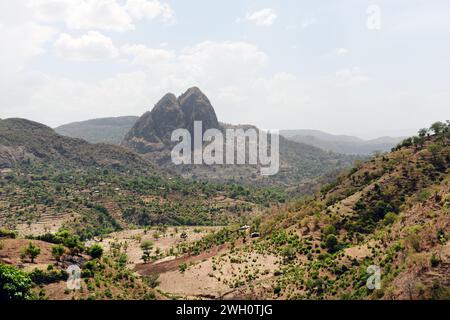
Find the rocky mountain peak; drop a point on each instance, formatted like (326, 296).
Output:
(193, 95)
(197, 107)
(153, 130)
(167, 100)
(167, 116)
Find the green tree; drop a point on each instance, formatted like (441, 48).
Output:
(417, 141)
(152, 281)
(14, 284)
(434, 260)
(423, 132)
(288, 253)
(329, 229)
(407, 142)
(331, 242)
(32, 251)
(438, 127)
(74, 244)
(146, 247)
(96, 251)
(389, 218)
(182, 267)
(58, 251)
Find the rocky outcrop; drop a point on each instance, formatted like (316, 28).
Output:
(196, 107)
(153, 131)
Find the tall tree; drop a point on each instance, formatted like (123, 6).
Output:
(32, 251)
(146, 247)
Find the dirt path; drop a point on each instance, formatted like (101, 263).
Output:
(171, 265)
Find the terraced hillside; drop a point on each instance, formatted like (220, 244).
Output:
(48, 181)
(392, 212)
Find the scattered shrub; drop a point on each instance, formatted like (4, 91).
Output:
(147, 247)
(152, 281)
(96, 251)
(331, 243)
(434, 260)
(58, 251)
(31, 252)
(182, 267)
(8, 234)
(389, 218)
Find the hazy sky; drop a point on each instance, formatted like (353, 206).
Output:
(367, 68)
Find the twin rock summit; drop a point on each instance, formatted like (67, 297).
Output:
(153, 131)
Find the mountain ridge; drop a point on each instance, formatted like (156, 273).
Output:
(151, 137)
(24, 140)
(153, 131)
(342, 143)
(390, 213)
(101, 130)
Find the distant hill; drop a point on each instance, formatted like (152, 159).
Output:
(341, 143)
(115, 130)
(93, 189)
(103, 130)
(23, 140)
(299, 163)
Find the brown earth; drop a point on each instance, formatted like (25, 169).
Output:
(10, 254)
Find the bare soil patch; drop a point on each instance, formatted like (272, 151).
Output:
(10, 254)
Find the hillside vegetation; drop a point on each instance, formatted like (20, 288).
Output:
(49, 181)
(103, 130)
(23, 141)
(390, 212)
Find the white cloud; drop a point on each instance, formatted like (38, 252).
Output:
(234, 76)
(57, 100)
(351, 77)
(302, 24)
(50, 10)
(159, 71)
(144, 9)
(342, 51)
(238, 77)
(84, 14)
(242, 87)
(207, 60)
(91, 46)
(145, 56)
(201, 63)
(111, 15)
(306, 23)
(20, 43)
(424, 19)
(262, 18)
